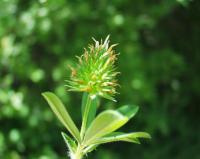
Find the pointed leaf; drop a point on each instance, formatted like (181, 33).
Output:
(127, 137)
(109, 121)
(128, 110)
(90, 148)
(62, 114)
(106, 122)
(116, 137)
(69, 142)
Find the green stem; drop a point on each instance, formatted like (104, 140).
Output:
(78, 154)
(85, 116)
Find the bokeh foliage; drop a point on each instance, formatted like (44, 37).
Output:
(159, 60)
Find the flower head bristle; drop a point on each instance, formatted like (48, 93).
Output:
(95, 73)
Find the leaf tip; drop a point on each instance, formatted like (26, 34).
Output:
(62, 133)
(45, 93)
(148, 136)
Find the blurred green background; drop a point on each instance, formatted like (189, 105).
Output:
(159, 45)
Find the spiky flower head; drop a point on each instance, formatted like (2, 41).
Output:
(96, 72)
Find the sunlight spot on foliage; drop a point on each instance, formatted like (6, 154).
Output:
(37, 75)
(136, 83)
(14, 155)
(57, 74)
(44, 157)
(16, 100)
(184, 2)
(45, 25)
(28, 22)
(118, 19)
(42, 12)
(42, 1)
(14, 135)
(7, 45)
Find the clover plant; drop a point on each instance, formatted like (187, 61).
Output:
(95, 76)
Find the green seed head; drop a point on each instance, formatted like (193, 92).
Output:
(95, 73)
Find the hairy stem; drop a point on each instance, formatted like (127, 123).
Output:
(78, 154)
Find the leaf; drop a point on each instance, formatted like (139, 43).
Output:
(92, 110)
(90, 148)
(106, 122)
(109, 121)
(69, 142)
(119, 136)
(62, 114)
(128, 110)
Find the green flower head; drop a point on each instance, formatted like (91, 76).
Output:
(95, 73)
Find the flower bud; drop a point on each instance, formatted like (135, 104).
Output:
(95, 73)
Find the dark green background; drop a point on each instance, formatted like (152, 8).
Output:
(159, 45)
